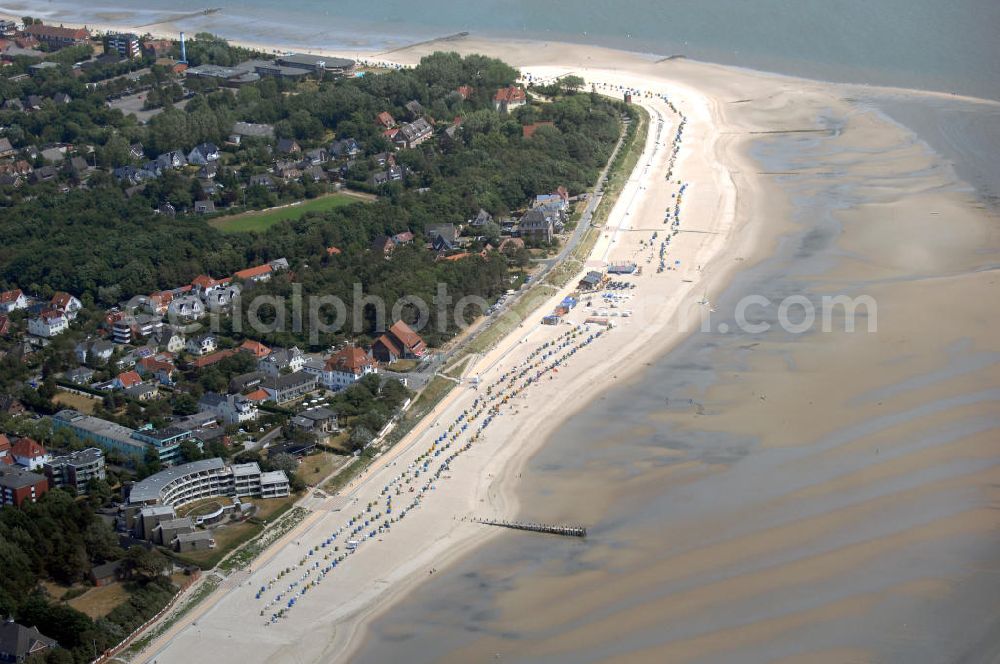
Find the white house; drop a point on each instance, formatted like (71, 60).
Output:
(231, 409)
(48, 324)
(29, 453)
(67, 304)
(203, 154)
(12, 300)
(201, 344)
(186, 308)
(343, 368)
(282, 360)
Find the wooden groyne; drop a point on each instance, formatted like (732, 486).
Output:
(565, 531)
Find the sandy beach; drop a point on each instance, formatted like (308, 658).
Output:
(835, 420)
(664, 307)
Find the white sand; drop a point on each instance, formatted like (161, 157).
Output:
(664, 307)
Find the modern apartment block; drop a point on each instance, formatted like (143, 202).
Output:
(76, 470)
(208, 478)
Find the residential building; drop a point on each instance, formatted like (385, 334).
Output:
(80, 376)
(112, 437)
(144, 391)
(255, 348)
(385, 119)
(230, 408)
(29, 453)
(125, 44)
(288, 146)
(289, 387)
(126, 379)
(344, 368)
(507, 99)
(13, 300)
(19, 486)
(208, 478)
(186, 309)
(5, 456)
(399, 342)
(203, 153)
(414, 133)
(170, 339)
(201, 344)
(346, 147)
(76, 469)
(442, 237)
(316, 420)
(19, 643)
(281, 361)
(94, 352)
(537, 226)
(57, 37)
(245, 382)
(254, 274)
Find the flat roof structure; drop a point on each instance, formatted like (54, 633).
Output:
(150, 488)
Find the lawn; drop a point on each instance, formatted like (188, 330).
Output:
(403, 366)
(202, 507)
(260, 220)
(76, 401)
(230, 536)
(315, 468)
(98, 602)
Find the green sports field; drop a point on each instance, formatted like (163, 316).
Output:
(261, 220)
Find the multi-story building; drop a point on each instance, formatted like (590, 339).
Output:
(125, 44)
(76, 469)
(207, 478)
(129, 443)
(344, 368)
(19, 486)
(289, 387)
(231, 409)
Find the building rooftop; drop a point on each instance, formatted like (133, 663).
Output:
(246, 469)
(196, 536)
(13, 477)
(273, 477)
(150, 488)
(89, 455)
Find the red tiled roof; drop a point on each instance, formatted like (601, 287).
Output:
(348, 359)
(58, 32)
(212, 358)
(50, 314)
(258, 395)
(4, 443)
(390, 344)
(10, 296)
(206, 281)
(252, 272)
(129, 378)
(4, 324)
(255, 348)
(61, 300)
(385, 119)
(28, 448)
(408, 337)
(510, 94)
(153, 364)
(465, 90)
(333, 251)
